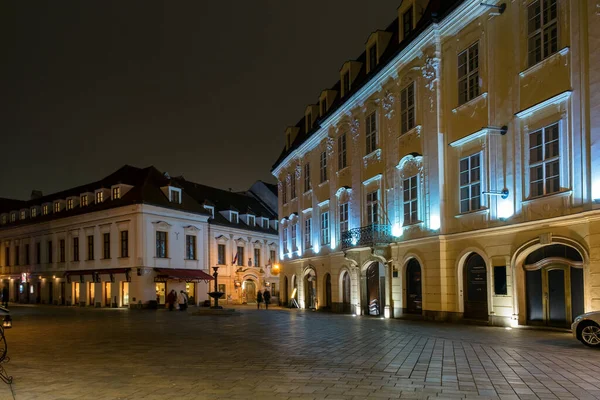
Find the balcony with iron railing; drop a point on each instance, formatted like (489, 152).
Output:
(367, 236)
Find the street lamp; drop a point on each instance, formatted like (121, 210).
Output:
(215, 294)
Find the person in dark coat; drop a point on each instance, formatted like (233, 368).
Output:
(171, 299)
(5, 296)
(267, 297)
(259, 299)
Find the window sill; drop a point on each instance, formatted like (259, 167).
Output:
(474, 100)
(162, 258)
(416, 129)
(325, 182)
(541, 63)
(341, 171)
(190, 259)
(565, 192)
(374, 154)
(481, 211)
(412, 224)
(309, 191)
(123, 257)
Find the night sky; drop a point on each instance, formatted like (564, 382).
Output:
(199, 88)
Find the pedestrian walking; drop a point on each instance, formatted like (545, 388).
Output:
(259, 299)
(5, 296)
(267, 297)
(171, 299)
(182, 300)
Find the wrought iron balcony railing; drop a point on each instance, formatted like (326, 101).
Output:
(367, 236)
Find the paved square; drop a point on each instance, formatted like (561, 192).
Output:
(74, 353)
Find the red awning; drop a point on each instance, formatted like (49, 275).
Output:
(187, 275)
(97, 271)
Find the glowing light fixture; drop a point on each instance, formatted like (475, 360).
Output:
(397, 230)
(332, 244)
(316, 248)
(505, 209)
(434, 222)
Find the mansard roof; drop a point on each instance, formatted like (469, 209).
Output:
(436, 10)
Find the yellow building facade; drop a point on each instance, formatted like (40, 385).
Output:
(454, 170)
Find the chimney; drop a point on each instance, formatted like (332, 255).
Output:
(36, 194)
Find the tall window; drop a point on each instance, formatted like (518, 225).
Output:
(116, 193)
(468, 74)
(293, 186)
(346, 83)
(307, 185)
(343, 217)
(99, 197)
(323, 165)
(106, 246)
(234, 217)
(49, 251)
(325, 228)
(307, 233)
(285, 239)
(175, 196)
(84, 201)
(265, 223)
(161, 244)
(407, 22)
(33, 212)
(17, 255)
(190, 247)
(27, 254)
(371, 132)
(544, 161)
(90, 244)
(221, 254)
(240, 255)
(75, 249)
(407, 107)
(542, 29)
(294, 232)
(272, 256)
(56, 207)
(6, 256)
(372, 57)
(38, 253)
(470, 183)
(323, 106)
(372, 208)
(257, 257)
(124, 243)
(284, 192)
(308, 121)
(45, 209)
(411, 200)
(342, 152)
(69, 204)
(61, 250)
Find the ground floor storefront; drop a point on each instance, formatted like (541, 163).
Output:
(529, 274)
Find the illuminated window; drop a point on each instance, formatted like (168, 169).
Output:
(13, 217)
(544, 161)
(161, 244)
(99, 197)
(293, 239)
(221, 254)
(325, 228)
(307, 184)
(45, 209)
(407, 107)
(371, 132)
(342, 152)
(33, 212)
(4, 219)
(343, 217)
(190, 247)
(307, 233)
(410, 200)
(84, 201)
(240, 256)
(257, 257)
(116, 193)
(468, 74)
(56, 207)
(285, 239)
(22, 215)
(542, 30)
(323, 166)
(69, 204)
(372, 208)
(470, 183)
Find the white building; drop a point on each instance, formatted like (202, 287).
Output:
(129, 239)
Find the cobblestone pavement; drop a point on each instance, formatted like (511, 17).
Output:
(73, 353)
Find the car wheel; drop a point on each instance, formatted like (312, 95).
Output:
(590, 334)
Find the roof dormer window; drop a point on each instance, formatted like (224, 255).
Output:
(175, 195)
(99, 197)
(4, 219)
(13, 217)
(265, 223)
(116, 193)
(407, 22)
(56, 206)
(210, 209)
(70, 204)
(23, 214)
(234, 217)
(372, 57)
(45, 209)
(251, 220)
(323, 106)
(84, 200)
(308, 122)
(346, 83)
(33, 212)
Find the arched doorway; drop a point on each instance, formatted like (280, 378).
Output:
(554, 285)
(310, 289)
(414, 298)
(285, 299)
(475, 288)
(346, 306)
(328, 291)
(250, 290)
(375, 289)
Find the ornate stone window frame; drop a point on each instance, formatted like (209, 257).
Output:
(411, 165)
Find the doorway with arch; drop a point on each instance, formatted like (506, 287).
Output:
(310, 289)
(475, 288)
(375, 289)
(414, 289)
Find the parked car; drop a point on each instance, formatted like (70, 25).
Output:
(586, 328)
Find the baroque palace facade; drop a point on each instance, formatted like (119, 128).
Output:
(454, 169)
(130, 238)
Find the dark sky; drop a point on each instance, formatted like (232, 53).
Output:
(199, 88)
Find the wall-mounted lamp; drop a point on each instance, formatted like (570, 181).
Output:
(500, 9)
(503, 193)
(501, 130)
